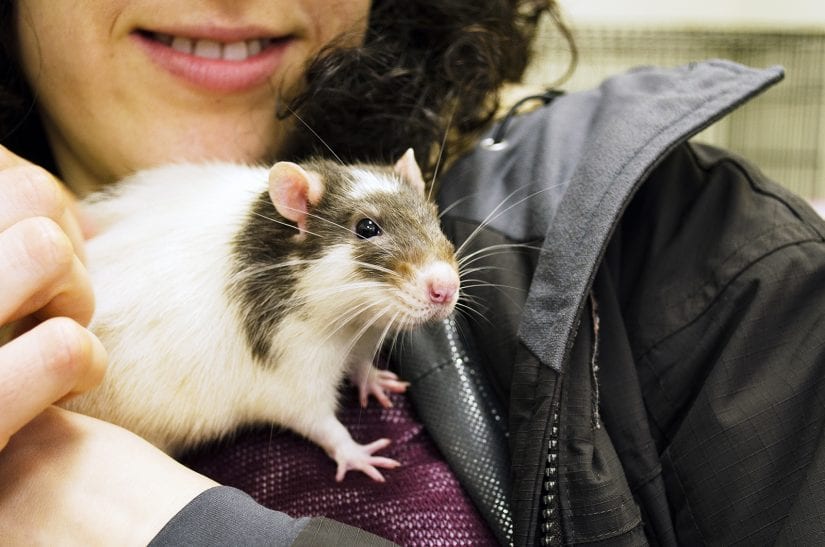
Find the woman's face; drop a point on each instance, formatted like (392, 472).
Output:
(127, 84)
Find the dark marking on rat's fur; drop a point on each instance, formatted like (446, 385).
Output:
(263, 291)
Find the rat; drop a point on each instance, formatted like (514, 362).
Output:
(230, 294)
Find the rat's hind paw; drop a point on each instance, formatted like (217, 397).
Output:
(359, 457)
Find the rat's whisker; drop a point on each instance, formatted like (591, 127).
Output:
(495, 250)
(322, 295)
(377, 268)
(387, 329)
(441, 150)
(457, 202)
(497, 212)
(478, 283)
(317, 136)
(251, 273)
(282, 223)
(472, 313)
(355, 315)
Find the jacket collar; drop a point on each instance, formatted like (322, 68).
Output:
(565, 173)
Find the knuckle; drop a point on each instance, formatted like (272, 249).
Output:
(47, 246)
(37, 191)
(67, 351)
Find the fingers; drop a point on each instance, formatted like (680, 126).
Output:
(29, 191)
(42, 274)
(42, 278)
(41, 245)
(53, 360)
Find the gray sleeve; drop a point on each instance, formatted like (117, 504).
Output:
(324, 532)
(227, 516)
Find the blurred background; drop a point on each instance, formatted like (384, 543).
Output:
(782, 131)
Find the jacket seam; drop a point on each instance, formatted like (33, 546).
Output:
(724, 287)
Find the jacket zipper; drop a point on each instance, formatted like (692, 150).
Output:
(551, 533)
(550, 521)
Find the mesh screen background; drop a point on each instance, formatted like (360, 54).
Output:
(782, 131)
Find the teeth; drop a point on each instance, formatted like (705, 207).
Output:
(164, 38)
(254, 46)
(210, 49)
(183, 45)
(236, 51)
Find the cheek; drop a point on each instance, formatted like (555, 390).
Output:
(47, 30)
(66, 84)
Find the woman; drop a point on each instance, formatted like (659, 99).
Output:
(654, 290)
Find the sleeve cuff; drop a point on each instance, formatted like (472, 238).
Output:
(226, 516)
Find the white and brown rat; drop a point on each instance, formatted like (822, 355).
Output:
(230, 294)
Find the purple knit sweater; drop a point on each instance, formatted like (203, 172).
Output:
(420, 504)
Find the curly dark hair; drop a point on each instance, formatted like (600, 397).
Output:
(425, 66)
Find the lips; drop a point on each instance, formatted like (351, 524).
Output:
(217, 61)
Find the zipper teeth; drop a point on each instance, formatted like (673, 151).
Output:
(550, 515)
(550, 521)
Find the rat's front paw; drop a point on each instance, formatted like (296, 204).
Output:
(360, 457)
(378, 383)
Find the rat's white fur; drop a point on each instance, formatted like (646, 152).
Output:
(162, 313)
(367, 183)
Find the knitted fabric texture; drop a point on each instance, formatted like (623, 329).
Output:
(421, 502)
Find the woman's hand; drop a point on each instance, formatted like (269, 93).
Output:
(64, 478)
(46, 297)
(68, 479)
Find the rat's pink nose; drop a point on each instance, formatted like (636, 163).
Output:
(442, 292)
(441, 282)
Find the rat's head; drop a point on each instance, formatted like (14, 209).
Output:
(375, 242)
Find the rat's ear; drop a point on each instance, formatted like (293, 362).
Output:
(293, 190)
(407, 168)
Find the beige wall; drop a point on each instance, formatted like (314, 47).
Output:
(760, 14)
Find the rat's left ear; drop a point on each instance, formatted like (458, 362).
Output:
(407, 168)
(293, 190)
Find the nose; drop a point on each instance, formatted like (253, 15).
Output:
(441, 293)
(442, 283)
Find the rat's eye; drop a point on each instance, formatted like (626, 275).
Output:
(367, 228)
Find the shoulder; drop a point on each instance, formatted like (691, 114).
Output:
(706, 227)
(720, 281)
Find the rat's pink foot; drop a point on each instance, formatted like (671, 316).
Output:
(358, 457)
(377, 383)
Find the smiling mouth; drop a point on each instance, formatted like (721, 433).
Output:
(204, 48)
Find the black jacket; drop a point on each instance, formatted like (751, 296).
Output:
(648, 339)
(641, 352)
